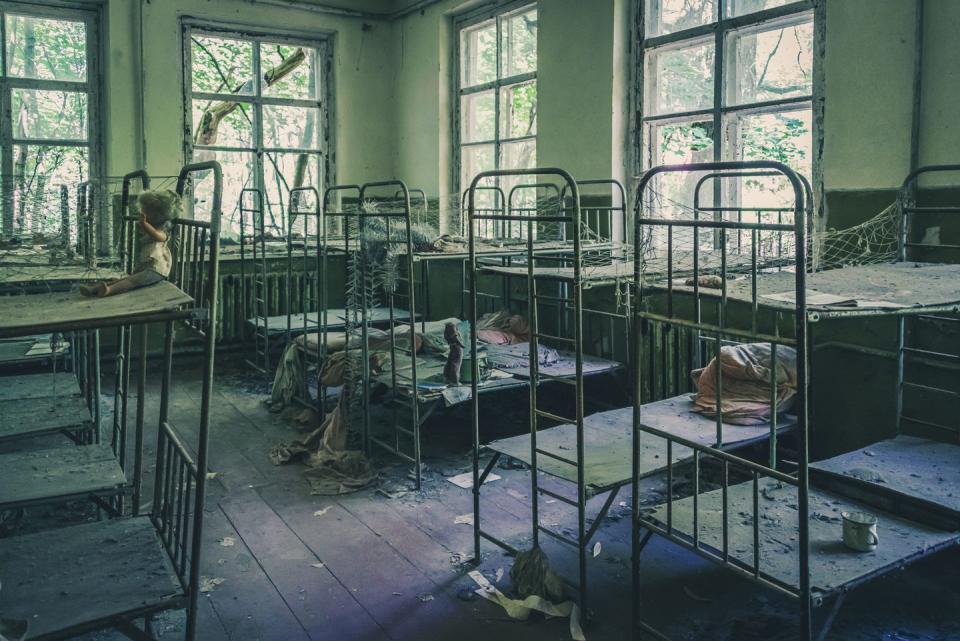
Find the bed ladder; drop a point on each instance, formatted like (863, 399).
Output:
(568, 335)
(251, 208)
(924, 375)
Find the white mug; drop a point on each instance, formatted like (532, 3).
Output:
(860, 531)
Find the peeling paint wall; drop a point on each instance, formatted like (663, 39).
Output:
(363, 67)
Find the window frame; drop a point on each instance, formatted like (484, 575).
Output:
(92, 18)
(719, 112)
(472, 19)
(323, 61)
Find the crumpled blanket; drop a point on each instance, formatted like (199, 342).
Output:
(333, 469)
(745, 380)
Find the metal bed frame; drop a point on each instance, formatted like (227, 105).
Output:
(932, 523)
(570, 215)
(251, 211)
(53, 567)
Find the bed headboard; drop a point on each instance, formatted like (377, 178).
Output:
(921, 224)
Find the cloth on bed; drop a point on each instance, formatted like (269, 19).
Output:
(745, 383)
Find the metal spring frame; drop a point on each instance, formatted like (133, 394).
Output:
(498, 198)
(312, 296)
(180, 485)
(399, 432)
(569, 216)
(719, 331)
(909, 209)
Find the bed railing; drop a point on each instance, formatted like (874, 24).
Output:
(489, 199)
(197, 246)
(86, 223)
(392, 256)
(708, 320)
(250, 208)
(306, 208)
(601, 222)
(912, 214)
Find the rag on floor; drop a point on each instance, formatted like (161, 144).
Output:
(745, 372)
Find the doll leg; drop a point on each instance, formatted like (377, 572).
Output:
(133, 281)
(94, 289)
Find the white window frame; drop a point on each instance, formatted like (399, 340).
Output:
(91, 17)
(323, 68)
(466, 21)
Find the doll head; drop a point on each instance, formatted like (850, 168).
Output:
(160, 206)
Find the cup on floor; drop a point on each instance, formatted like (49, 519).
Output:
(860, 531)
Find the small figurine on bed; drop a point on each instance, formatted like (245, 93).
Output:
(451, 371)
(158, 209)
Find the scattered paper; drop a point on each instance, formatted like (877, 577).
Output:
(425, 597)
(463, 519)
(319, 566)
(596, 549)
(320, 513)
(227, 541)
(520, 610)
(208, 583)
(499, 575)
(465, 480)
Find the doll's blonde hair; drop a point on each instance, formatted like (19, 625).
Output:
(159, 206)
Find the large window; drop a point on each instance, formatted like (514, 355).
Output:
(727, 80)
(257, 105)
(47, 133)
(497, 92)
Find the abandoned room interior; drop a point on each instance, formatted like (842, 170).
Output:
(394, 320)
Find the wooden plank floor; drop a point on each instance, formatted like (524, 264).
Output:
(296, 567)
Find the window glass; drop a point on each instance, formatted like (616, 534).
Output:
(46, 49)
(771, 64)
(670, 16)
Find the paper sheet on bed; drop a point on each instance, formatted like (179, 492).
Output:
(820, 299)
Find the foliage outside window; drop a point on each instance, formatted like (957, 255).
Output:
(45, 143)
(256, 107)
(727, 80)
(497, 101)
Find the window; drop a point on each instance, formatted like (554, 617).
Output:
(257, 106)
(46, 141)
(497, 93)
(727, 80)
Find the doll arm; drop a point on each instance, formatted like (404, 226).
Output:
(153, 232)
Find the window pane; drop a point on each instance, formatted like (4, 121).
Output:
(518, 42)
(680, 79)
(473, 160)
(281, 173)
(518, 155)
(784, 136)
(45, 48)
(669, 16)
(39, 171)
(743, 7)
(518, 110)
(227, 124)
(40, 114)
(477, 117)
(478, 54)
(291, 127)
(771, 64)
(221, 65)
(288, 71)
(238, 174)
(682, 143)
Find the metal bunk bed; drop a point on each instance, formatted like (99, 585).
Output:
(142, 564)
(573, 447)
(742, 524)
(251, 214)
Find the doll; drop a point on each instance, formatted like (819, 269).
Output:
(451, 371)
(158, 209)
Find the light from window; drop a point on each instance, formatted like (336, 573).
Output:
(50, 117)
(256, 110)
